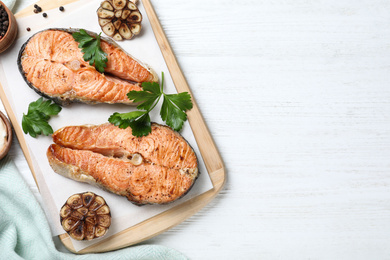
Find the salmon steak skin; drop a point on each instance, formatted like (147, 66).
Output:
(52, 64)
(155, 169)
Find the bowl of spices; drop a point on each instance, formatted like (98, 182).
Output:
(5, 135)
(8, 27)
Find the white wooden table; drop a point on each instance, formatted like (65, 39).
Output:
(296, 94)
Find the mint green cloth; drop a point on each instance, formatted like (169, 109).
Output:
(25, 232)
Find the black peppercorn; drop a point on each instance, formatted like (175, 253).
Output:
(44, 15)
(28, 29)
(4, 23)
(62, 8)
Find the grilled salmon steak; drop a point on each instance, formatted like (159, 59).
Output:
(52, 64)
(155, 169)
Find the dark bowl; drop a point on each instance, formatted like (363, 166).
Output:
(8, 39)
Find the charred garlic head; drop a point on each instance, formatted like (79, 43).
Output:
(119, 19)
(85, 216)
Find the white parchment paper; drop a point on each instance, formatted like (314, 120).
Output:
(54, 188)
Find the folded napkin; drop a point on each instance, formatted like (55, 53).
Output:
(25, 232)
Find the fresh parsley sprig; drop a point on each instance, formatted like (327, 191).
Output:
(173, 109)
(90, 46)
(36, 121)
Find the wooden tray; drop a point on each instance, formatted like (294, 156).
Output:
(213, 161)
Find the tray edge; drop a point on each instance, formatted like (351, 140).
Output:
(213, 160)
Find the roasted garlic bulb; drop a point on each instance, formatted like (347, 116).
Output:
(119, 19)
(85, 216)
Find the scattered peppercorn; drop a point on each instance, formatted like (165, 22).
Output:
(28, 29)
(62, 8)
(44, 15)
(37, 9)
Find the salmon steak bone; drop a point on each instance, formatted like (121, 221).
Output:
(52, 64)
(155, 169)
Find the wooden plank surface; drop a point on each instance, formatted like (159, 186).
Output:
(296, 96)
(210, 154)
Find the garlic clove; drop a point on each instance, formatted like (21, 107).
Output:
(119, 19)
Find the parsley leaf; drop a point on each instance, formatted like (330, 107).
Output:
(36, 121)
(150, 94)
(173, 109)
(90, 46)
(141, 126)
(45, 107)
(139, 121)
(171, 113)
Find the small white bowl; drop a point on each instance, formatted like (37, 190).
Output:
(8, 140)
